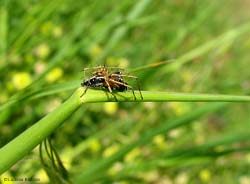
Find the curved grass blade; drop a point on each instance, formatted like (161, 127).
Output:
(21, 145)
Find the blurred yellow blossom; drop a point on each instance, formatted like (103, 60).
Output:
(205, 175)
(57, 31)
(94, 145)
(95, 50)
(175, 133)
(110, 150)
(181, 178)
(159, 141)
(132, 155)
(179, 108)
(54, 74)
(21, 80)
(150, 176)
(244, 179)
(41, 174)
(110, 107)
(42, 50)
(6, 178)
(248, 158)
(66, 160)
(123, 62)
(115, 168)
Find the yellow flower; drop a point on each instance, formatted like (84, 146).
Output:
(21, 80)
(41, 174)
(94, 145)
(132, 155)
(110, 107)
(54, 75)
(179, 108)
(42, 51)
(57, 31)
(123, 62)
(205, 175)
(244, 180)
(160, 141)
(115, 168)
(110, 150)
(248, 158)
(181, 178)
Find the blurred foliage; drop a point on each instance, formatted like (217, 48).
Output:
(44, 45)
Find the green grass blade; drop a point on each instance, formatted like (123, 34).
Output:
(25, 142)
(154, 96)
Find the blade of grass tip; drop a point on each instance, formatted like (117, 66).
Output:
(3, 33)
(29, 139)
(225, 38)
(101, 165)
(121, 31)
(151, 65)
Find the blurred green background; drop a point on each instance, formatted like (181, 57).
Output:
(45, 44)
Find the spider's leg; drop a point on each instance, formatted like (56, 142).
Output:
(85, 91)
(133, 77)
(109, 88)
(130, 87)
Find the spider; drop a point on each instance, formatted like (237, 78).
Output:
(102, 77)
